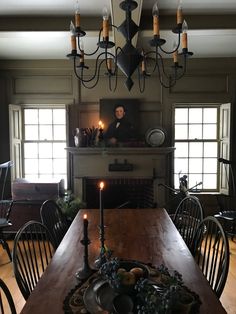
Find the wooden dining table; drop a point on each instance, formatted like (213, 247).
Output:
(147, 235)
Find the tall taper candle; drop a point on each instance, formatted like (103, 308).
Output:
(85, 227)
(101, 186)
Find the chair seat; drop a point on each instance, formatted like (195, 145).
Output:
(5, 223)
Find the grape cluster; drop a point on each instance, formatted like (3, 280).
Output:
(162, 297)
(109, 271)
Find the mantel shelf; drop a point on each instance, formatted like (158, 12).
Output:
(120, 150)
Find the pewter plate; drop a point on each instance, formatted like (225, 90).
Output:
(99, 296)
(155, 137)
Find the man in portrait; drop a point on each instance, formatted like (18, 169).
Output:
(120, 130)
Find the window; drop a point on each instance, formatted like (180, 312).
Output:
(42, 147)
(197, 138)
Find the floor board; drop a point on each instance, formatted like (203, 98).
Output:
(228, 297)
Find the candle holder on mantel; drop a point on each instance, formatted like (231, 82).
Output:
(100, 135)
(100, 129)
(85, 271)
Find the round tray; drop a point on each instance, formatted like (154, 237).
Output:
(99, 296)
(155, 137)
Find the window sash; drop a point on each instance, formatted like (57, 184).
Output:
(199, 167)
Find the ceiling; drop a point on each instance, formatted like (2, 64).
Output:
(40, 29)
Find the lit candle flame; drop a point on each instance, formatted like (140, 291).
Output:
(100, 124)
(101, 185)
(85, 216)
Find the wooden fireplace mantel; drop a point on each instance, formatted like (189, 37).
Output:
(120, 162)
(119, 150)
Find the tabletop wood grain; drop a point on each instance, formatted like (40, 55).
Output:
(147, 235)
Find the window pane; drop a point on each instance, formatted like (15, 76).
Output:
(181, 149)
(195, 149)
(181, 132)
(45, 116)
(31, 177)
(194, 179)
(209, 181)
(45, 166)
(195, 115)
(210, 165)
(209, 131)
(45, 177)
(181, 165)
(210, 149)
(45, 132)
(31, 150)
(210, 115)
(195, 165)
(195, 131)
(59, 165)
(59, 132)
(45, 150)
(45, 157)
(181, 115)
(31, 166)
(31, 116)
(59, 116)
(31, 132)
(59, 150)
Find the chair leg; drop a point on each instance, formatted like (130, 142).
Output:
(6, 247)
(233, 230)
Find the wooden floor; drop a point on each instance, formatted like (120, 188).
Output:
(227, 299)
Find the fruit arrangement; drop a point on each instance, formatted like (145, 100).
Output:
(123, 275)
(130, 277)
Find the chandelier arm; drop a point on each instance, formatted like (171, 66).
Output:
(75, 71)
(141, 88)
(95, 51)
(184, 68)
(174, 50)
(115, 85)
(112, 25)
(97, 79)
(169, 78)
(97, 69)
(107, 53)
(157, 57)
(115, 62)
(155, 65)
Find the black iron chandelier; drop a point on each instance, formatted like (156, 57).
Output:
(129, 58)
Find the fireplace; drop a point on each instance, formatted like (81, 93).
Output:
(131, 175)
(120, 192)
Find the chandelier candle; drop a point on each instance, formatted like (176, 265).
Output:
(155, 14)
(184, 35)
(105, 26)
(179, 14)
